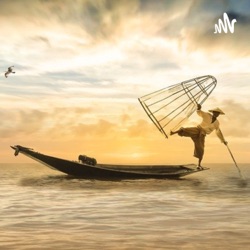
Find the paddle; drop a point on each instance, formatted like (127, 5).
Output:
(235, 162)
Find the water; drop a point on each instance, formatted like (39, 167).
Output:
(44, 209)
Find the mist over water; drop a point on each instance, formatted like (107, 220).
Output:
(44, 209)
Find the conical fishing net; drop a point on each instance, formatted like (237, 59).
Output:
(170, 107)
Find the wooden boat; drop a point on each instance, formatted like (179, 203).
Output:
(88, 167)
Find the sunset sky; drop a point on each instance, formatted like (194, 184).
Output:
(81, 66)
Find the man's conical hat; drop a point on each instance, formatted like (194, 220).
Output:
(217, 110)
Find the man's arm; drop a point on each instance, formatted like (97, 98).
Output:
(220, 135)
(199, 111)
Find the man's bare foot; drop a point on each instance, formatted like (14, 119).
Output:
(172, 133)
(199, 167)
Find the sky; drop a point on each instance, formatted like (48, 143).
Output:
(82, 65)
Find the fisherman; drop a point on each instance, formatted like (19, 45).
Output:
(10, 70)
(197, 134)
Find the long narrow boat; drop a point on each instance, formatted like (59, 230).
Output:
(88, 168)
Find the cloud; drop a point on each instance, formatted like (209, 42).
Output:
(236, 123)
(194, 28)
(71, 36)
(39, 123)
(72, 122)
(99, 129)
(199, 31)
(81, 65)
(22, 122)
(141, 128)
(100, 19)
(114, 20)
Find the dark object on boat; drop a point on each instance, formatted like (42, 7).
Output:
(87, 160)
(108, 171)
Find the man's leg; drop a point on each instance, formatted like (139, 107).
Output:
(187, 132)
(199, 143)
(175, 132)
(199, 164)
(198, 138)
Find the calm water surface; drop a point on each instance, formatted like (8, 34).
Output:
(44, 209)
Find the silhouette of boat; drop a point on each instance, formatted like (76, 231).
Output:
(88, 168)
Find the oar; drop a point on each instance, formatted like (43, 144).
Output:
(235, 162)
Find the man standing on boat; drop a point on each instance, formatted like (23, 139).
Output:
(197, 134)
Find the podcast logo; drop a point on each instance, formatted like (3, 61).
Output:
(224, 25)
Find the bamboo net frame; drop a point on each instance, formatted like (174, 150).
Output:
(170, 107)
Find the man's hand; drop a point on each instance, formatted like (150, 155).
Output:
(198, 106)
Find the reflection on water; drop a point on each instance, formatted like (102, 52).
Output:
(208, 209)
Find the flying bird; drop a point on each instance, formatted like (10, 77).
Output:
(10, 70)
